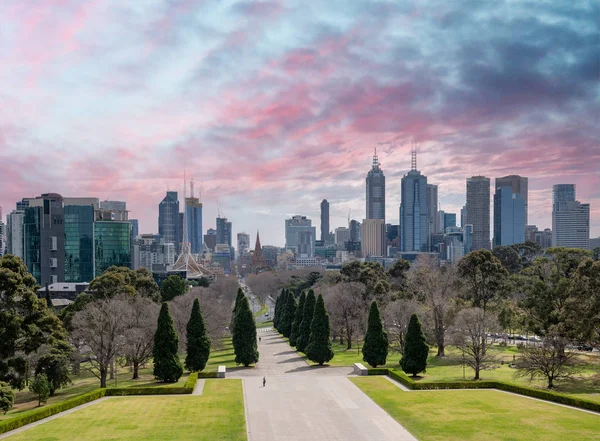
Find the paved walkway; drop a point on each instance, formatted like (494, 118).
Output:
(302, 402)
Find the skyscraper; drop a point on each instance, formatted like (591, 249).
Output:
(223, 231)
(14, 233)
(373, 238)
(325, 221)
(432, 208)
(112, 239)
(518, 185)
(478, 211)
(463, 216)
(293, 228)
(168, 218)
(243, 245)
(79, 239)
(375, 191)
(414, 214)
(193, 218)
(135, 228)
(509, 216)
(570, 218)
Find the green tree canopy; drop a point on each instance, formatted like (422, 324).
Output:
(172, 287)
(55, 365)
(198, 343)
(484, 277)
(319, 345)
(236, 305)
(375, 348)
(40, 387)
(121, 280)
(7, 397)
(307, 316)
(167, 366)
(287, 318)
(244, 335)
(414, 355)
(297, 319)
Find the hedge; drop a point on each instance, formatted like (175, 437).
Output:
(207, 375)
(401, 377)
(126, 391)
(191, 381)
(53, 409)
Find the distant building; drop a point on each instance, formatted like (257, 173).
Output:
(293, 227)
(150, 250)
(270, 254)
(542, 238)
(306, 243)
(375, 187)
(414, 215)
(14, 233)
(112, 240)
(168, 218)
(449, 220)
(79, 239)
(117, 208)
(222, 256)
(325, 220)
(210, 239)
(258, 259)
(243, 246)
(478, 210)
(463, 216)
(594, 243)
(570, 218)
(432, 209)
(63, 290)
(342, 235)
(223, 231)
(193, 218)
(305, 261)
(509, 217)
(44, 238)
(135, 228)
(373, 238)
(519, 185)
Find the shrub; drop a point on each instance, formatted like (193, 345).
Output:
(167, 366)
(191, 381)
(40, 387)
(7, 397)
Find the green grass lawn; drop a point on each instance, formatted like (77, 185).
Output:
(262, 311)
(265, 324)
(478, 415)
(222, 357)
(216, 415)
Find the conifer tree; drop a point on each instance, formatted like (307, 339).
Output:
(416, 349)
(277, 308)
(244, 335)
(297, 320)
(282, 300)
(167, 366)
(319, 345)
(307, 316)
(287, 318)
(375, 348)
(240, 295)
(198, 343)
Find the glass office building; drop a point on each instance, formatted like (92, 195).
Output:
(32, 240)
(112, 245)
(79, 243)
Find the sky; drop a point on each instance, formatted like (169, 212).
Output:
(272, 106)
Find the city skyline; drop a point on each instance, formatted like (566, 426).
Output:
(270, 129)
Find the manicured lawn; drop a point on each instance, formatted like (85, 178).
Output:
(265, 324)
(478, 415)
(222, 357)
(216, 415)
(262, 311)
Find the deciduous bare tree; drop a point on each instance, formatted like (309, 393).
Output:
(396, 318)
(99, 327)
(469, 334)
(140, 318)
(347, 308)
(437, 287)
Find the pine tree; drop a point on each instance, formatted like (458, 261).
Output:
(375, 348)
(289, 313)
(297, 320)
(276, 312)
(307, 316)
(240, 296)
(167, 366)
(244, 335)
(198, 343)
(279, 310)
(319, 346)
(414, 355)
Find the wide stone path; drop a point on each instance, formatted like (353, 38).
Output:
(301, 402)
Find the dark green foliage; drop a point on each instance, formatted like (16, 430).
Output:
(244, 335)
(121, 280)
(172, 287)
(26, 323)
(7, 397)
(31, 417)
(238, 299)
(484, 277)
(375, 348)
(319, 345)
(297, 320)
(201, 282)
(167, 366)
(307, 316)
(287, 318)
(279, 307)
(198, 343)
(55, 365)
(509, 258)
(414, 355)
(298, 284)
(40, 387)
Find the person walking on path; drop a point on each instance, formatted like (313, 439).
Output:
(264, 381)
(259, 339)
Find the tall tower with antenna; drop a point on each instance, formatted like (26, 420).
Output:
(414, 212)
(375, 188)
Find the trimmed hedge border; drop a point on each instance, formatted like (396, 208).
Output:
(207, 374)
(53, 409)
(554, 397)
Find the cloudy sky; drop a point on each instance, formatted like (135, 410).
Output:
(272, 106)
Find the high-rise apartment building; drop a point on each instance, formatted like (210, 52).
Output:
(44, 238)
(243, 245)
(342, 235)
(193, 218)
(478, 210)
(293, 228)
(325, 221)
(150, 249)
(414, 213)
(375, 183)
(432, 209)
(373, 238)
(570, 218)
(168, 218)
(519, 185)
(509, 217)
(14, 233)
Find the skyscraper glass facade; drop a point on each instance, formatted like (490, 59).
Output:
(32, 240)
(168, 218)
(79, 243)
(193, 216)
(112, 245)
(414, 215)
(375, 184)
(509, 217)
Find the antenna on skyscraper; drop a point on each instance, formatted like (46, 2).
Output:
(192, 187)
(414, 156)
